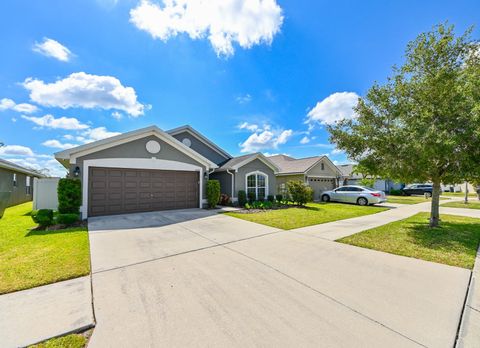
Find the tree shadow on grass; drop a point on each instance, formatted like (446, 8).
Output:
(35, 232)
(450, 235)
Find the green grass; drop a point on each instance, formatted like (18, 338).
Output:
(32, 258)
(469, 205)
(312, 214)
(458, 194)
(69, 341)
(407, 199)
(455, 243)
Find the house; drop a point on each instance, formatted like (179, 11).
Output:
(349, 177)
(319, 172)
(149, 169)
(16, 183)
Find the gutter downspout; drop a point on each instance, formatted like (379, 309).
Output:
(233, 177)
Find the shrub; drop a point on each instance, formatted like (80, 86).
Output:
(279, 198)
(43, 217)
(267, 205)
(299, 192)
(394, 192)
(270, 198)
(242, 198)
(69, 196)
(368, 182)
(224, 199)
(213, 192)
(67, 219)
(251, 197)
(247, 206)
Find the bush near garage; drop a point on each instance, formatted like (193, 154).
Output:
(43, 217)
(242, 198)
(213, 193)
(299, 192)
(67, 219)
(224, 199)
(69, 196)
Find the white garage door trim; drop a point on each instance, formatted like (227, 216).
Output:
(135, 163)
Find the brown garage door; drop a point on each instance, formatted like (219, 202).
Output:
(119, 191)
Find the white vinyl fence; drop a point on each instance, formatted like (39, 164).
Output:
(45, 193)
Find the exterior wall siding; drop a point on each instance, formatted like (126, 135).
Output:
(200, 147)
(136, 149)
(317, 170)
(225, 180)
(11, 194)
(252, 167)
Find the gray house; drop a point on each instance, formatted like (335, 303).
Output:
(16, 183)
(149, 169)
(351, 178)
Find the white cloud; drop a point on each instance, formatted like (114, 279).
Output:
(223, 22)
(95, 134)
(249, 126)
(53, 48)
(337, 152)
(243, 99)
(57, 144)
(335, 107)
(17, 150)
(116, 115)
(49, 121)
(9, 104)
(305, 140)
(267, 139)
(85, 91)
(45, 164)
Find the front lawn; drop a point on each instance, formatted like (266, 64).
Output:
(469, 205)
(69, 341)
(455, 243)
(33, 258)
(312, 214)
(407, 199)
(458, 194)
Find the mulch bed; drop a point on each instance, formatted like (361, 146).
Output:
(252, 211)
(57, 227)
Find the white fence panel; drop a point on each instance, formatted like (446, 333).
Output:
(45, 193)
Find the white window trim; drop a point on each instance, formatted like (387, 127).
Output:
(256, 183)
(135, 163)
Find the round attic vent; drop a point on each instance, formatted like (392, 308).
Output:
(187, 142)
(152, 146)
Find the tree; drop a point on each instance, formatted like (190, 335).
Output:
(423, 123)
(367, 179)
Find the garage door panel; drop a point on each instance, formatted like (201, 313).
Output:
(116, 191)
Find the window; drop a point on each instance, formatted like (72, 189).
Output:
(257, 183)
(28, 188)
(322, 165)
(14, 179)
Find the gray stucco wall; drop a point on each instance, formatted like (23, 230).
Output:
(251, 167)
(317, 170)
(136, 149)
(225, 182)
(201, 148)
(14, 194)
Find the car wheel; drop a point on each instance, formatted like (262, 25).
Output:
(362, 201)
(325, 198)
(428, 194)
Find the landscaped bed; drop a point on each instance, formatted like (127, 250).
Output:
(311, 214)
(455, 243)
(30, 258)
(469, 205)
(69, 341)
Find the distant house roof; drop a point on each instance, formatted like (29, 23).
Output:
(15, 167)
(237, 162)
(290, 165)
(347, 171)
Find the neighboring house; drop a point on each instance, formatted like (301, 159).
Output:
(149, 169)
(351, 178)
(16, 183)
(318, 172)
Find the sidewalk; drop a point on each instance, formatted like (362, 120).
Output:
(34, 315)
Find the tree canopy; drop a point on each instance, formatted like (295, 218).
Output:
(423, 123)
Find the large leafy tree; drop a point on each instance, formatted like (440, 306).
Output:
(423, 124)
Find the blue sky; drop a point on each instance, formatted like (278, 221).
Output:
(263, 77)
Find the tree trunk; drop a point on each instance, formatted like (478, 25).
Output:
(435, 211)
(466, 192)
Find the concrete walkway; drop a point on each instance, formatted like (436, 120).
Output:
(34, 315)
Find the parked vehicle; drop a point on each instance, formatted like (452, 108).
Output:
(418, 189)
(354, 194)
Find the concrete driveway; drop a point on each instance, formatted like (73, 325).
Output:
(196, 278)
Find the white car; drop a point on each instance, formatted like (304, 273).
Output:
(354, 194)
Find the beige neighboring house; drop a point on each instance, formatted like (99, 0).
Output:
(318, 172)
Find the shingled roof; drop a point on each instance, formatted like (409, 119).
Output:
(290, 165)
